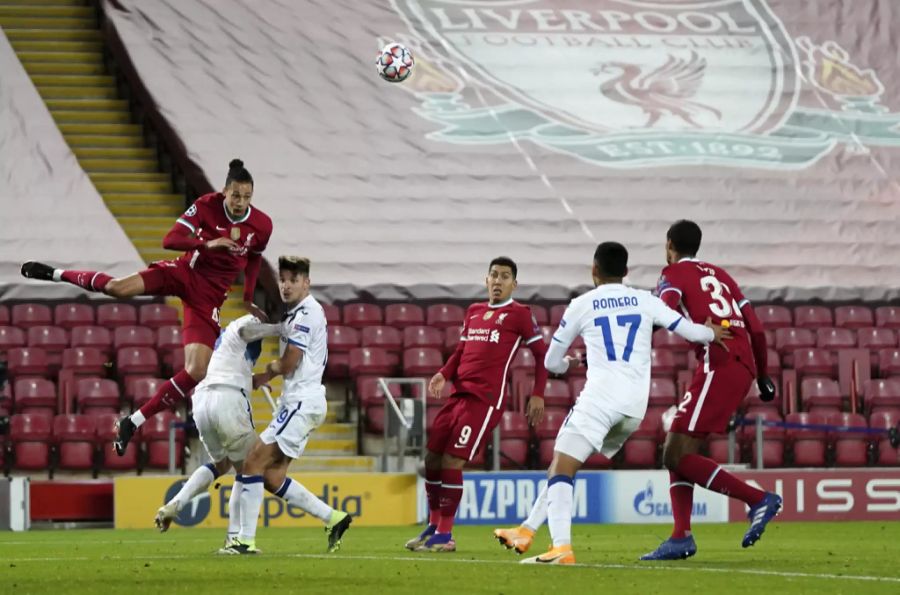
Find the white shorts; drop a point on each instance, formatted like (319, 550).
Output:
(291, 428)
(588, 431)
(224, 421)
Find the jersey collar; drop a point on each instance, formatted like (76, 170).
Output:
(298, 306)
(506, 303)
(689, 259)
(242, 219)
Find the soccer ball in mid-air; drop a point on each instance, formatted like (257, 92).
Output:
(394, 63)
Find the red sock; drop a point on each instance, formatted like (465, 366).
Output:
(433, 492)
(708, 474)
(681, 492)
(173, 390)
(451, 494)
(90, 280)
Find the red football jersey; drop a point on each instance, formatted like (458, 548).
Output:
(707, 291)
(208, 219)
(490, 338)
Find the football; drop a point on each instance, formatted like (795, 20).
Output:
(394, 63)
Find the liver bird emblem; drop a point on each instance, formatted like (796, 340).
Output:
(667, 89)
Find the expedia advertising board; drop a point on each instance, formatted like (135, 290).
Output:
(600, 497)
(372, 499)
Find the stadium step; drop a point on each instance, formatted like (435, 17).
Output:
(311, 462)
(44, 2)
(65, 47)
(173, 202)
(58, 56)
(115, 153)
(126, 209)
(32, 34)
(66, 68)
(91, 117)
(55, 92)
(87, 105)
(110, 129)
(48, 23)
(45, 11)
(120, 165)
(73, 80)
(119, 186)
(99, 140)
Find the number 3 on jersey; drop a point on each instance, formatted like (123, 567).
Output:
(719, 306)
(632, 321)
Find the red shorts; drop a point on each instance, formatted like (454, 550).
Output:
(462, 426)
(712, 399)
(201, 301)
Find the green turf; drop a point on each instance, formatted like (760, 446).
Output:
(792, 558)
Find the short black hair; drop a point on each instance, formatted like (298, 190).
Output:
(297, 265)
(611, 259)
(505, 261)
(237, 173)
(685, 236)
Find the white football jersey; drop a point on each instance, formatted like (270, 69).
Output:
(233, 358)
(617, 325)
(304, 325)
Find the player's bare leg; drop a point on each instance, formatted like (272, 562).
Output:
(177, 388)
(433, 467)
(560, 494)
(450, 496)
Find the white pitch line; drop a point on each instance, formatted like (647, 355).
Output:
(446, 559)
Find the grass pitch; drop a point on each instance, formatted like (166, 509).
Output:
(791, 558)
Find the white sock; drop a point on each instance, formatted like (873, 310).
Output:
(251, 501)
(234, 508)
(538, 514)
(559, 509)
(57, 274)
(137, 418)
(296, 494)
(197, 483)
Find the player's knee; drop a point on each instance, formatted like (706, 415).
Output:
(115, 288)
(451, 462)
(196, 369)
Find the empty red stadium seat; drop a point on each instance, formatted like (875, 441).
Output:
(4, 315)
(835, 338)
(597, 461)
(882, 393)
(168, 340)
(540, 314)
(766, 412)
(773, 453)
(85, 361)
(370, 361)
(375, 419)
(113, 315)
(35, 395)
(139, 390)
(814, 362)
(422, 336)
(11, 337)
(556, 394)
(133, 336)
(820, 393)
(96, 337)
(662, 363)
(137, 361)
(385, 337)
(850, 448)
(404, 315)
(888, 317)
(523, 360)
(662, 392)
(853, 317)
(640, 453)
(550, 424)
(157, 315)
(155, 436)
(27, 361)
(718, 450)
(808, 418)
(53, 340)
(876, 338)
(651, 425)
(106, 433)
(174, 362)
(342, 339)
(75, 437)
(885, 419)
(69, 316)
(422, 362)
(514, 424)
(451, 338)
(338, 366)
(29, 315)
(810, 452)
(576, 385)
(359, 315)
(369, 392)
(29, 435)
(97, 394)
(332, 313)
(545, 452)
(789, 339)
(812, 316)
(773, 317)
(889, 363)
(513, 453)
(664, 339)
(556, 314)
(444, 315)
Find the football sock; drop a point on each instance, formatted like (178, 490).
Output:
(451, 494)
(707, 473)
(433, 494)
(234, 507)
(538, 514)
(90, 280)
(197, 483)
(560, 489)
(681, 492)
(173, 390)
(251, 502)
(296, 494)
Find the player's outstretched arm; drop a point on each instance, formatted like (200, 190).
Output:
(254, 331)
(535, 407)
(251, 274)
(181, 238)
(760, 351)
(283, 366)
(448, 372)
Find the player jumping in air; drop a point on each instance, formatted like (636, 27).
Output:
(304, 353)
(616, 323)
(220, 235)
(721, 382)
(479, 368)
